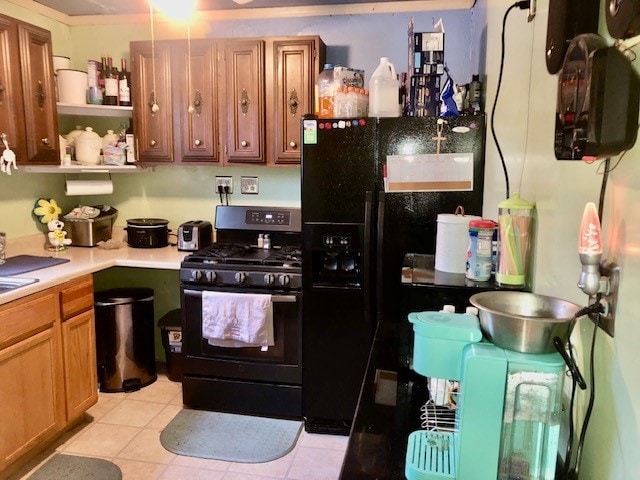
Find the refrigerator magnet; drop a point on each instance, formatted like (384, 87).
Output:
(310, 132)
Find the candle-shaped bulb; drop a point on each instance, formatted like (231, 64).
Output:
(590, 239)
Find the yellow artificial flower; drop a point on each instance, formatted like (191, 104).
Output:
(47, 210)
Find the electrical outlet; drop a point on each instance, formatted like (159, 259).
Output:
(224, 182)
(249, 185)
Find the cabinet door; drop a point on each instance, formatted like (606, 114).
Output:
(151, 74)
(80, 372)
(244, 96)
(11, 107)
(292, 76)
(196, 84)
(31, 397)
(38, 90)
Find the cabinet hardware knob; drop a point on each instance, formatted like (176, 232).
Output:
(244, 143)
(244, 101)
(293, 102)
(293, 144)
(45, 141)
(198, 102)
(197, 143)
(41, 95)
(153, 143)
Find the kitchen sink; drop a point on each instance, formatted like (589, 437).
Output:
(11, 283)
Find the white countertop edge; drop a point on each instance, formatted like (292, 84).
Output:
(83, 261)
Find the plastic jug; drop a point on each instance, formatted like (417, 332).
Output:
(326, 91)
(383, 91)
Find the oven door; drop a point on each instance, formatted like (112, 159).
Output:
(280, 363)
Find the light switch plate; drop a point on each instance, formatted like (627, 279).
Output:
(249, 185)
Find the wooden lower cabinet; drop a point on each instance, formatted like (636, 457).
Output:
(48, 375)
(31, 401)
(79, 352)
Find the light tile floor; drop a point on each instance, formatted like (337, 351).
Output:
(125, 429)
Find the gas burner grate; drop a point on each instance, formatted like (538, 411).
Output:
(223, 251)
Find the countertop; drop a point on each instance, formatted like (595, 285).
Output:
(82, 261)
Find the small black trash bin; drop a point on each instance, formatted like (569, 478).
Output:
(125, 344)
(171, 330)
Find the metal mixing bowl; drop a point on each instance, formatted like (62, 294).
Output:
(524, 322)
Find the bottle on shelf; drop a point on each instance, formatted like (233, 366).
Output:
(326, 91)
(130, 144)
(102, 73)
(110, 84)
(124, 86)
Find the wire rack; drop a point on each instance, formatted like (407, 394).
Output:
(439, 411)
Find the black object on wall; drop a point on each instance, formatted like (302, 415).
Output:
(568, 18)
(598, 101)
(623, 18)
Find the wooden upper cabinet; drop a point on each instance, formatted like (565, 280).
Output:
(244, 105)
(38, 88)
(293, 67)
(195, 84)
(151, 79)
(248, 94)
(28, 114)
(11, 105)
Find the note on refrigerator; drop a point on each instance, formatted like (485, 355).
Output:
(444, 172)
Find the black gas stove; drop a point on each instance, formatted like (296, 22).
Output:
(236, 260)
(247, 380)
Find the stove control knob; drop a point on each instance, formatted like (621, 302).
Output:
(240, 277)
(269, 278)
(196, 275)
(284, 280)
(210, 276)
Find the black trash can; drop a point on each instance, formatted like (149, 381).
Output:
(125, 344)
(171, 330)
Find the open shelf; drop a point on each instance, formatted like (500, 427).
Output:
(94, 110)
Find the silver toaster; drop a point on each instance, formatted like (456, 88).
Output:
(194, 235)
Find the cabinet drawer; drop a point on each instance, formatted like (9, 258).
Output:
(76, 297)
(22, 318)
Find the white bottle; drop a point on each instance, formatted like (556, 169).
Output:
(260, 240)
(339, 103)
(266, 242)
(383, 91)
(351, 103)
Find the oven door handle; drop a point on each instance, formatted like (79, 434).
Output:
(274, 298)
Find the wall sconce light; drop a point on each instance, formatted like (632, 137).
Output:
(598, 277)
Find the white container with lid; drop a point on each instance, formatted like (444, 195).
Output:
(110, 139)
(383, 91)
(452, 241)
(72, 86)
(88, 146)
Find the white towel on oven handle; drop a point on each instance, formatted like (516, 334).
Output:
(237, 319)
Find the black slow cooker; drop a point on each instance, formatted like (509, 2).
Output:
(147, 232)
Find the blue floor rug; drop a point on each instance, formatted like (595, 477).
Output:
(229, 437)
(72, 467)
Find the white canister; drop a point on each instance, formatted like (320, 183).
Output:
(452, 241)
(88, 146)
(60, 62)
(110, 139)
(72, 86)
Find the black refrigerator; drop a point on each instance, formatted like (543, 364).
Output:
(356, 235)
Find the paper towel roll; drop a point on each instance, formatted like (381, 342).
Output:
(88, 187)
(452, 241)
